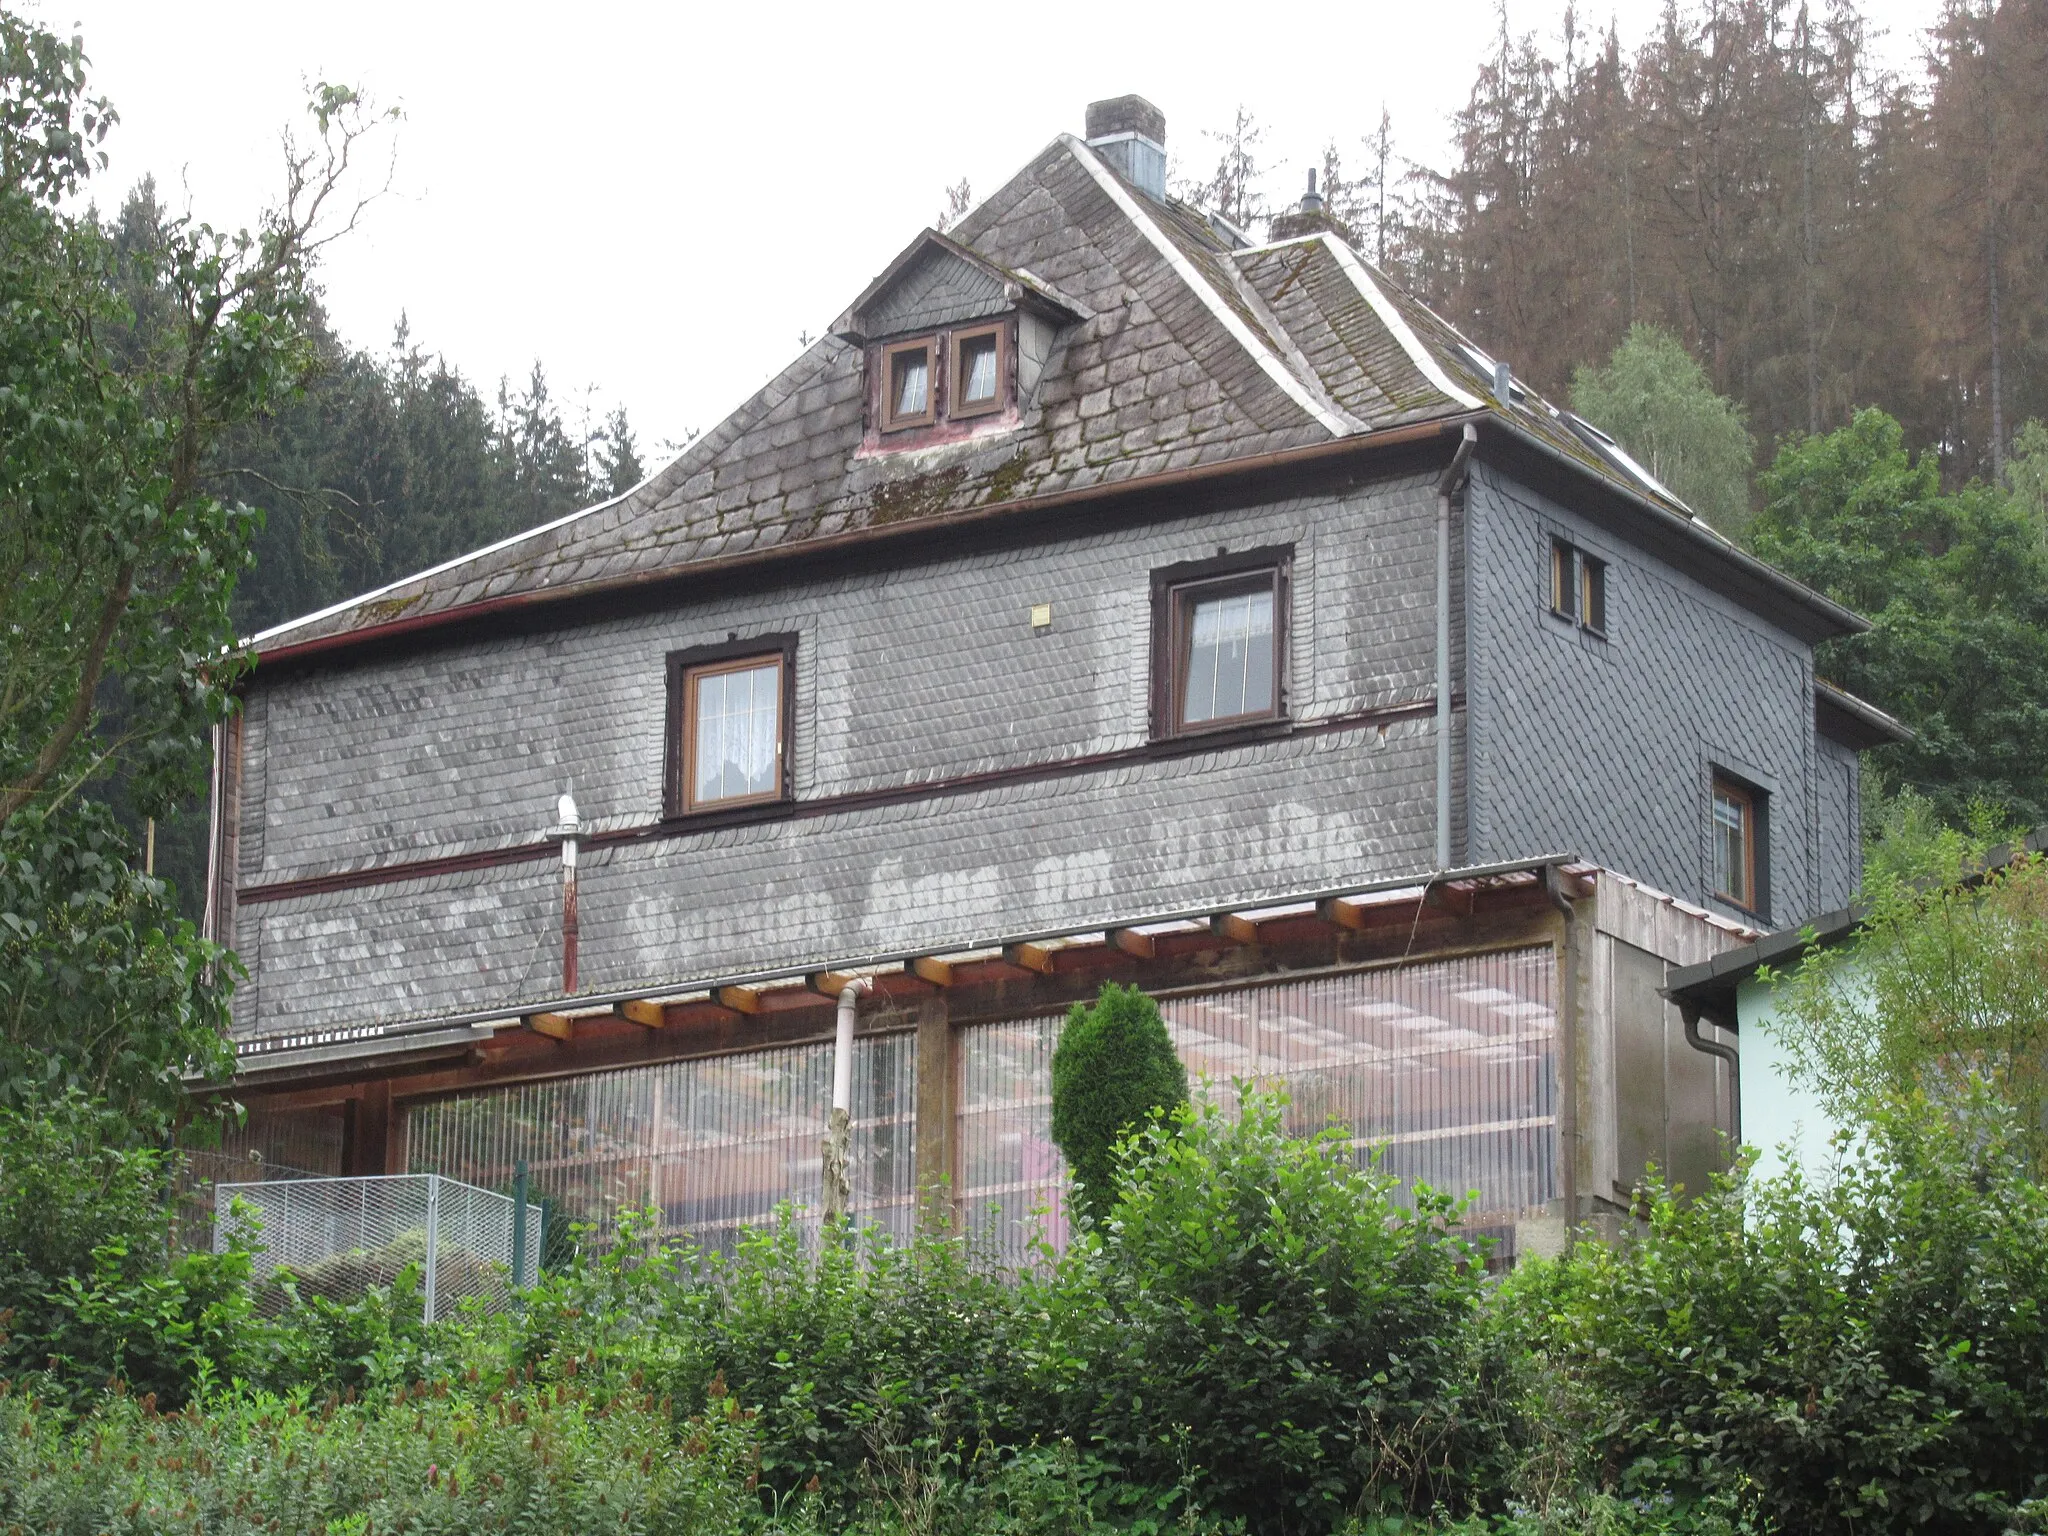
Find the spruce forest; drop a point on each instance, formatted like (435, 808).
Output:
(1822, 234)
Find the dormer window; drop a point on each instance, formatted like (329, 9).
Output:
(908, 399)
(977, 371)
(956, 375)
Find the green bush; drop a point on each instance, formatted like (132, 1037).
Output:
(435, 1460)
(89, 1292)
(1258, 1316)
(1864, 1353)
(1113, 1069)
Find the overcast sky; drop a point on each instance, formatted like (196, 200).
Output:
(657, 201)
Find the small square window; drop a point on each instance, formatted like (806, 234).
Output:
(1220, 631)
(908, 398)
(1736, 832)
(978, 372)
(728, 726)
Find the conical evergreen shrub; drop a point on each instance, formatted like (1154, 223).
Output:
(1113, 1069)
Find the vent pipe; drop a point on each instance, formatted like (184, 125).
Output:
(1130, 133)
(1446, 488)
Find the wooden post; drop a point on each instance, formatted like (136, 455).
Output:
(367, 1131)
(937, 1106)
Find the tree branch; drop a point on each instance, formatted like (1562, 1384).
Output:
(15, 796)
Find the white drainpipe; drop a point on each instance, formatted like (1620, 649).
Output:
(839, 1129)
(1445, 489)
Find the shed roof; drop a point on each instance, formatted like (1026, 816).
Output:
(1711, 986)
(1178, 354)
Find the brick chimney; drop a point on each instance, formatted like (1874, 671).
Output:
(1130, 133)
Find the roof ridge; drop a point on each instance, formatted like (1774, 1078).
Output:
(1270, 362)
(1354, 267)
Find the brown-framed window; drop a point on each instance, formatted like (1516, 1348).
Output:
(1564, 586)
(730, 711)
(1737, 832)
(1220, 643)
(910, 384)
(980, 370)
(1578, 586)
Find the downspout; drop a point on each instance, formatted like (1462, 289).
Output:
(1567, 1050)
(1691, 1014)
(1446, 487)
(839, 1129)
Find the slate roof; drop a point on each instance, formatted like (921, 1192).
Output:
(1180, 351)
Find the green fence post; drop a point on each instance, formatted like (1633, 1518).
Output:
(519, 1224)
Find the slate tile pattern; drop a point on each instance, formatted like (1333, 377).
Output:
(1156, 380)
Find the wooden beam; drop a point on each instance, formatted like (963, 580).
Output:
(645, 1014)
(1238, 930)
(829, 983)
(738, 999)
(938, 972)
(1133, 943)
(1341, 913)
(1448, 898)
(556, 1026)
(1031, 957)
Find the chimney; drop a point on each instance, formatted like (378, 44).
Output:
(1310, 218)
(1130, 133)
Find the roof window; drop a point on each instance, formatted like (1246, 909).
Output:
(954, 375)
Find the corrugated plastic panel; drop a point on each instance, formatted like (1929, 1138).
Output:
(1446, 1071)
(716, 1144)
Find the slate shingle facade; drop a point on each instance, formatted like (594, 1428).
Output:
(957, 775)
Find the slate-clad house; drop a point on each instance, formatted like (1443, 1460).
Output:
(1105, 597)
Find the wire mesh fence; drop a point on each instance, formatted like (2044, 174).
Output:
(337, 1237)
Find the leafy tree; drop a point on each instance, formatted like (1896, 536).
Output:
(2026, 472)
(1956, 585)
(1113, 1069)
(122, 361)
(1658, 403)
(1944, 985)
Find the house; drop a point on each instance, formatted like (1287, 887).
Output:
(1106, 597)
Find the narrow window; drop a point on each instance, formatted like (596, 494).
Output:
(977, 371)
(1735, 836)
(907, 396)
(1578, 587)
(1219, 642)
(1593, 594)
(1564, 586)
(729, 726)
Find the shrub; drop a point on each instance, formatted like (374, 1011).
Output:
(88, 1289)
(1257, 1314)
(443, 1460)
(1864, 1353)
(1113, 1069)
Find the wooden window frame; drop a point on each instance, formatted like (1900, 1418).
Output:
(1175, 588)
(886, 414)
(1578, 587)
(1751, 800)
(1592, 594)
(679, 801)
(957, 406)
(1564, 579)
